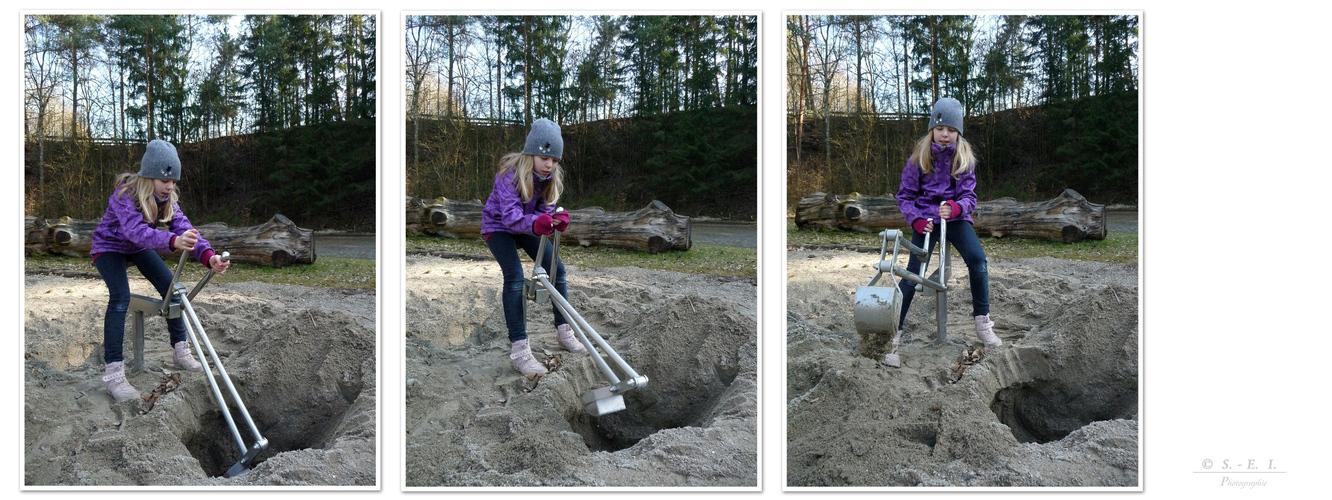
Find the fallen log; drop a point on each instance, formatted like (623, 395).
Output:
(277, 243)
(654, 228)
(1068, 217)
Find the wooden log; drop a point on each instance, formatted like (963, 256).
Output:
(1068, 217)
(34, 235)
(277, 243)
(653, 229)
(444, 217)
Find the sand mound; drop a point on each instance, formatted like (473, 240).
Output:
(1055, 406)
(470, 421)
(302, 359)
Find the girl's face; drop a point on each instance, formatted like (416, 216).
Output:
(945, 135)
(163, 187)
(543, 165)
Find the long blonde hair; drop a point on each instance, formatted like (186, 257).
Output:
(522, 166)
(963, 159)
(141, 190)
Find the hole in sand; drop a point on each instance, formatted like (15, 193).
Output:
(1048, 410)
(690, 365)
(1092, 371)
(299, 392)
(214, 446)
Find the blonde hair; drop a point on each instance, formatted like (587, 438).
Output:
(963, 160)
(522, 166)
(140, 190)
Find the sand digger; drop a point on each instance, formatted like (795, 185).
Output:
(878, 309)
(174, 304)
(604, 400)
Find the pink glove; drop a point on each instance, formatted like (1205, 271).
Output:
(920, 225)
(561, 221)
(954, 211)
(543, 225)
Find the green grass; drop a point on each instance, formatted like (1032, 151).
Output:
(1116, 248)
(699, 259)
(326, 272)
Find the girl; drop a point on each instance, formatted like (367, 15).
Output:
(129, 233)
(942, 169)
(519, 210)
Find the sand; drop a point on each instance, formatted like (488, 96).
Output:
(303, 360)
(471, 422)
(1056, 405)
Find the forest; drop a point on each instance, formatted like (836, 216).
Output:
(1051, 101)
(651, 107)
(270, 113)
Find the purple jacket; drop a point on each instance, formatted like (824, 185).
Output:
(123, 230)
(921, 193)
(505, 210)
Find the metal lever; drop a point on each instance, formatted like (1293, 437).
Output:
(226, 257)
(175, 278)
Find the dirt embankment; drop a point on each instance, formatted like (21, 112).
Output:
(1056, 405)
(471, 422)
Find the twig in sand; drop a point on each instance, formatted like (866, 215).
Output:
(691, 305)
(1112, 290)
(311, 316)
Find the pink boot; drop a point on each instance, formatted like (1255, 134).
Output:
(185, 360)
(521, 356)
(116, 384)
(985, 330)
(564, 333)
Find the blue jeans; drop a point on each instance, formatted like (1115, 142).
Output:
(963, 238)
(504, 246)
(113, 267)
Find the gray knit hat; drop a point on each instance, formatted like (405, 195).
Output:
(160, 161)
(947, 111)
(544, 140)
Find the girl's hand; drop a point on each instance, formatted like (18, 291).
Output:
(923, 225)
(218, 265)
(949, 210)
(560, 221)
(543, 225)
(187, 240)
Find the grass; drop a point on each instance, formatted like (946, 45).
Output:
(699, 259)
(325, 273)
(1116, 248)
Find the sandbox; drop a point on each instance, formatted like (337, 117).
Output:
(302, 359)
(1056, 405)
(472, 420)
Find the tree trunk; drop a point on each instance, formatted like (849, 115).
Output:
(653, 229)
(1068, 217)
(275, 243)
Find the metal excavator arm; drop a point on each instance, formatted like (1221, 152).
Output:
(174, 304)
(878, 308)
(597, 402)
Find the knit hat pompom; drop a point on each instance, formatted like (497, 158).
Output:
(160, 161)
(544, 140)
(947, 111)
